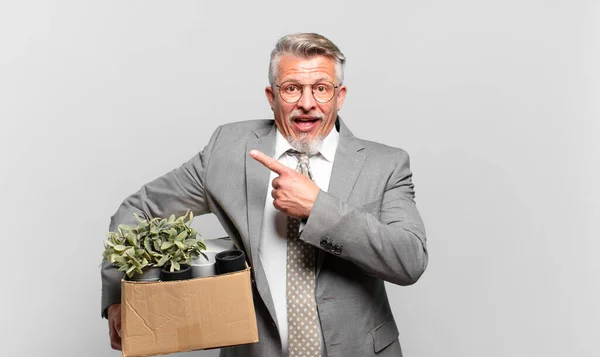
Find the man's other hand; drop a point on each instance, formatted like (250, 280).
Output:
(293, 193)
(114, 326)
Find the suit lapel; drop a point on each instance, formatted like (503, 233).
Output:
(349, 160)
(257, 177)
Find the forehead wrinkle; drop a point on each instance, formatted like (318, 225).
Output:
(315, 75)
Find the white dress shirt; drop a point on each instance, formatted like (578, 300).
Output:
(272, 249)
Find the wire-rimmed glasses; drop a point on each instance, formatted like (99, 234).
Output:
(291, 91)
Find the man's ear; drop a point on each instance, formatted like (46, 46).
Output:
(270, 96)
(341, 96)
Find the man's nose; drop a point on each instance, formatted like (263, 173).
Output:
(307, 101)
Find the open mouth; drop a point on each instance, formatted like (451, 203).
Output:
(306, 123)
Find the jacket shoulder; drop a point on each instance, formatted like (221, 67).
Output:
(256, 125)
(382, 150)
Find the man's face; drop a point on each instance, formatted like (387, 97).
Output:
(305, 120)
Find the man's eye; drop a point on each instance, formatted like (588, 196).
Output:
(291, 89)
(321, 88)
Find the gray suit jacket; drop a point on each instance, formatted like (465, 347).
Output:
(366, 228)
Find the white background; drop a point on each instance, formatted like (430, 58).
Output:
(497, 103)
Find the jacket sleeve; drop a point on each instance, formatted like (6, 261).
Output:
(390, 245)
(174, 193)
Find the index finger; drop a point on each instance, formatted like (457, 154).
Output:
(270, 163)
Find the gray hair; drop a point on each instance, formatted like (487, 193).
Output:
(306, 45)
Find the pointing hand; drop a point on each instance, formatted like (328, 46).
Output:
(293, 193)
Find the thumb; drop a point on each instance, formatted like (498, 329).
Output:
(118, 326)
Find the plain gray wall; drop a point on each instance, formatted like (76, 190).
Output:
(497, 103)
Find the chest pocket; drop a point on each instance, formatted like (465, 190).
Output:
(384, 335)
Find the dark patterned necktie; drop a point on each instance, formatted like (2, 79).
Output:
(303, 332)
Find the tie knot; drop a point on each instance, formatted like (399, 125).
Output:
(303, 163)
(302, 157)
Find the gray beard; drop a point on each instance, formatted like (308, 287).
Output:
(303, 145)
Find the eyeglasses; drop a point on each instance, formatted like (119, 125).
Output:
(291, 92)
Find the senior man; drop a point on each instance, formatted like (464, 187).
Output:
(302, 196)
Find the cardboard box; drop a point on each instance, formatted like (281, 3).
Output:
(178, 316)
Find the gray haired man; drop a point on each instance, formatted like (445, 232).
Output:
(302, 196)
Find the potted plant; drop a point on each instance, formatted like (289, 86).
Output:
(144, 251)
(177, 247)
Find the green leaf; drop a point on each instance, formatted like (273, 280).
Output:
(125, 227)
(181, 236)
(146, 255)
(174, 265)
(190, 242)
(148, 246)
(131, 239)
(120, 247)
(166, 245)
(179, 244)
(136, 262)
(163, 260)
(129, 271)
(130, 252)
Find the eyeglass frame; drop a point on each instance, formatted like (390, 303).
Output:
(312, 91)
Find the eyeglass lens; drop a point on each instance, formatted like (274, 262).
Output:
(291, 92)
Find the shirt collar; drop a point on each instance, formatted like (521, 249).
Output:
(328, 149)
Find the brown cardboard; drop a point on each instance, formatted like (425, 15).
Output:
(177, 316)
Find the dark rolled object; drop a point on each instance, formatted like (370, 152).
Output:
(184, 273)
(229, 261)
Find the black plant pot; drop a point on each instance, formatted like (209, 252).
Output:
(184, 273)
(230, 260)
